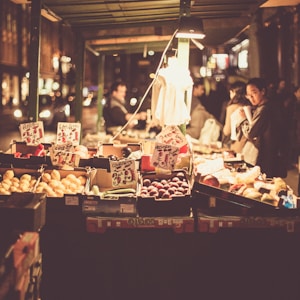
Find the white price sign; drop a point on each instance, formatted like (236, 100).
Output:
(68, 132)
(123, 172)
(32, 133)
(165, 156)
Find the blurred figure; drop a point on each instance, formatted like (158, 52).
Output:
(281, 90)
(216, 99)
(198, 94)
(286, 100)
(115, 112)
(199, 115)
(264, 132)
(296, 128)
(232, 137)
(271, 89)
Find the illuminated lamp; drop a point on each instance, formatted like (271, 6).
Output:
(190, 27)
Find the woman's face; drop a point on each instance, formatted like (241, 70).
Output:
(254, 95)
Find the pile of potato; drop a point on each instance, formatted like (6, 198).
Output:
(11, 183)
(55, 186)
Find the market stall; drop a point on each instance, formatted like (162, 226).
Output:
(153, 218)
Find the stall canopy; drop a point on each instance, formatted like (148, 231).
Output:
(129, 25)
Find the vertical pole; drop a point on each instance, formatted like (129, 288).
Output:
(101, 64)
(183, 52)
(34, 60)
(20, 52)
(79, 81)
(296, 47)
(255, 52)
(184, 43)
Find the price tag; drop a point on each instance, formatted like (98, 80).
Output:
(165, 156)
(61, 158)
(71, 200)
(68, 132)
(123, 172)
(172, 135)
(32, 133)
(63, 154)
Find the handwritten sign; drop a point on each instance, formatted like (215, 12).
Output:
(165, 156)
(68, 132)
(123, 172)
(63, 154)
(32, 133)
(172, 135)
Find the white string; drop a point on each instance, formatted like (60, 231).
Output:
(149, 87)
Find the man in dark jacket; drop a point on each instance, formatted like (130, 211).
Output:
(115, 112)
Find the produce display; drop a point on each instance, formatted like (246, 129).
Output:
(54, 185)
(250, 183)
(164, 188)
(11, 183)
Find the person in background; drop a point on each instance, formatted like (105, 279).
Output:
(198, 94)
(230, 137)
(296, 128)
(115, 112)
(281, 90)
(264, 133)
(216, 98)
(199, 115)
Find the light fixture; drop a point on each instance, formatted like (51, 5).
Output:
(190, 27)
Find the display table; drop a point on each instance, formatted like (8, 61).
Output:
(133, 259)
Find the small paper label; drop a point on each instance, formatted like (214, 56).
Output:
(164, 156)
(123, 172)
(63, 154)
(171, 135)
(32, 133)
(127, 208)
(68, 132)
(71, 200)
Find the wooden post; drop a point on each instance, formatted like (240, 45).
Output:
(101, 65)
(34, 60)
(183, 53)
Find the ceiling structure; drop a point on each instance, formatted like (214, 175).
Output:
(131, 26)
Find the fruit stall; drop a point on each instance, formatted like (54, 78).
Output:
(163, 220)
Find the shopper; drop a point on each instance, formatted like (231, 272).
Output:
(264, 133)
(296, 129)
(199, 116)
(231, 136)
(216, 99)
(115, 112)
(199, 93)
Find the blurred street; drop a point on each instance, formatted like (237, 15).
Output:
(9, 131)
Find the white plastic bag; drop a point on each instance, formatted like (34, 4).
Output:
(210, 132)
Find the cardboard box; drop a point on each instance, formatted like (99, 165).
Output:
(27, 157)
(175, 205)
(9, 186)
(103, 179)
(113, 206)
(66, 211)
(23, 211)
(59, 182)
(106, 150)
